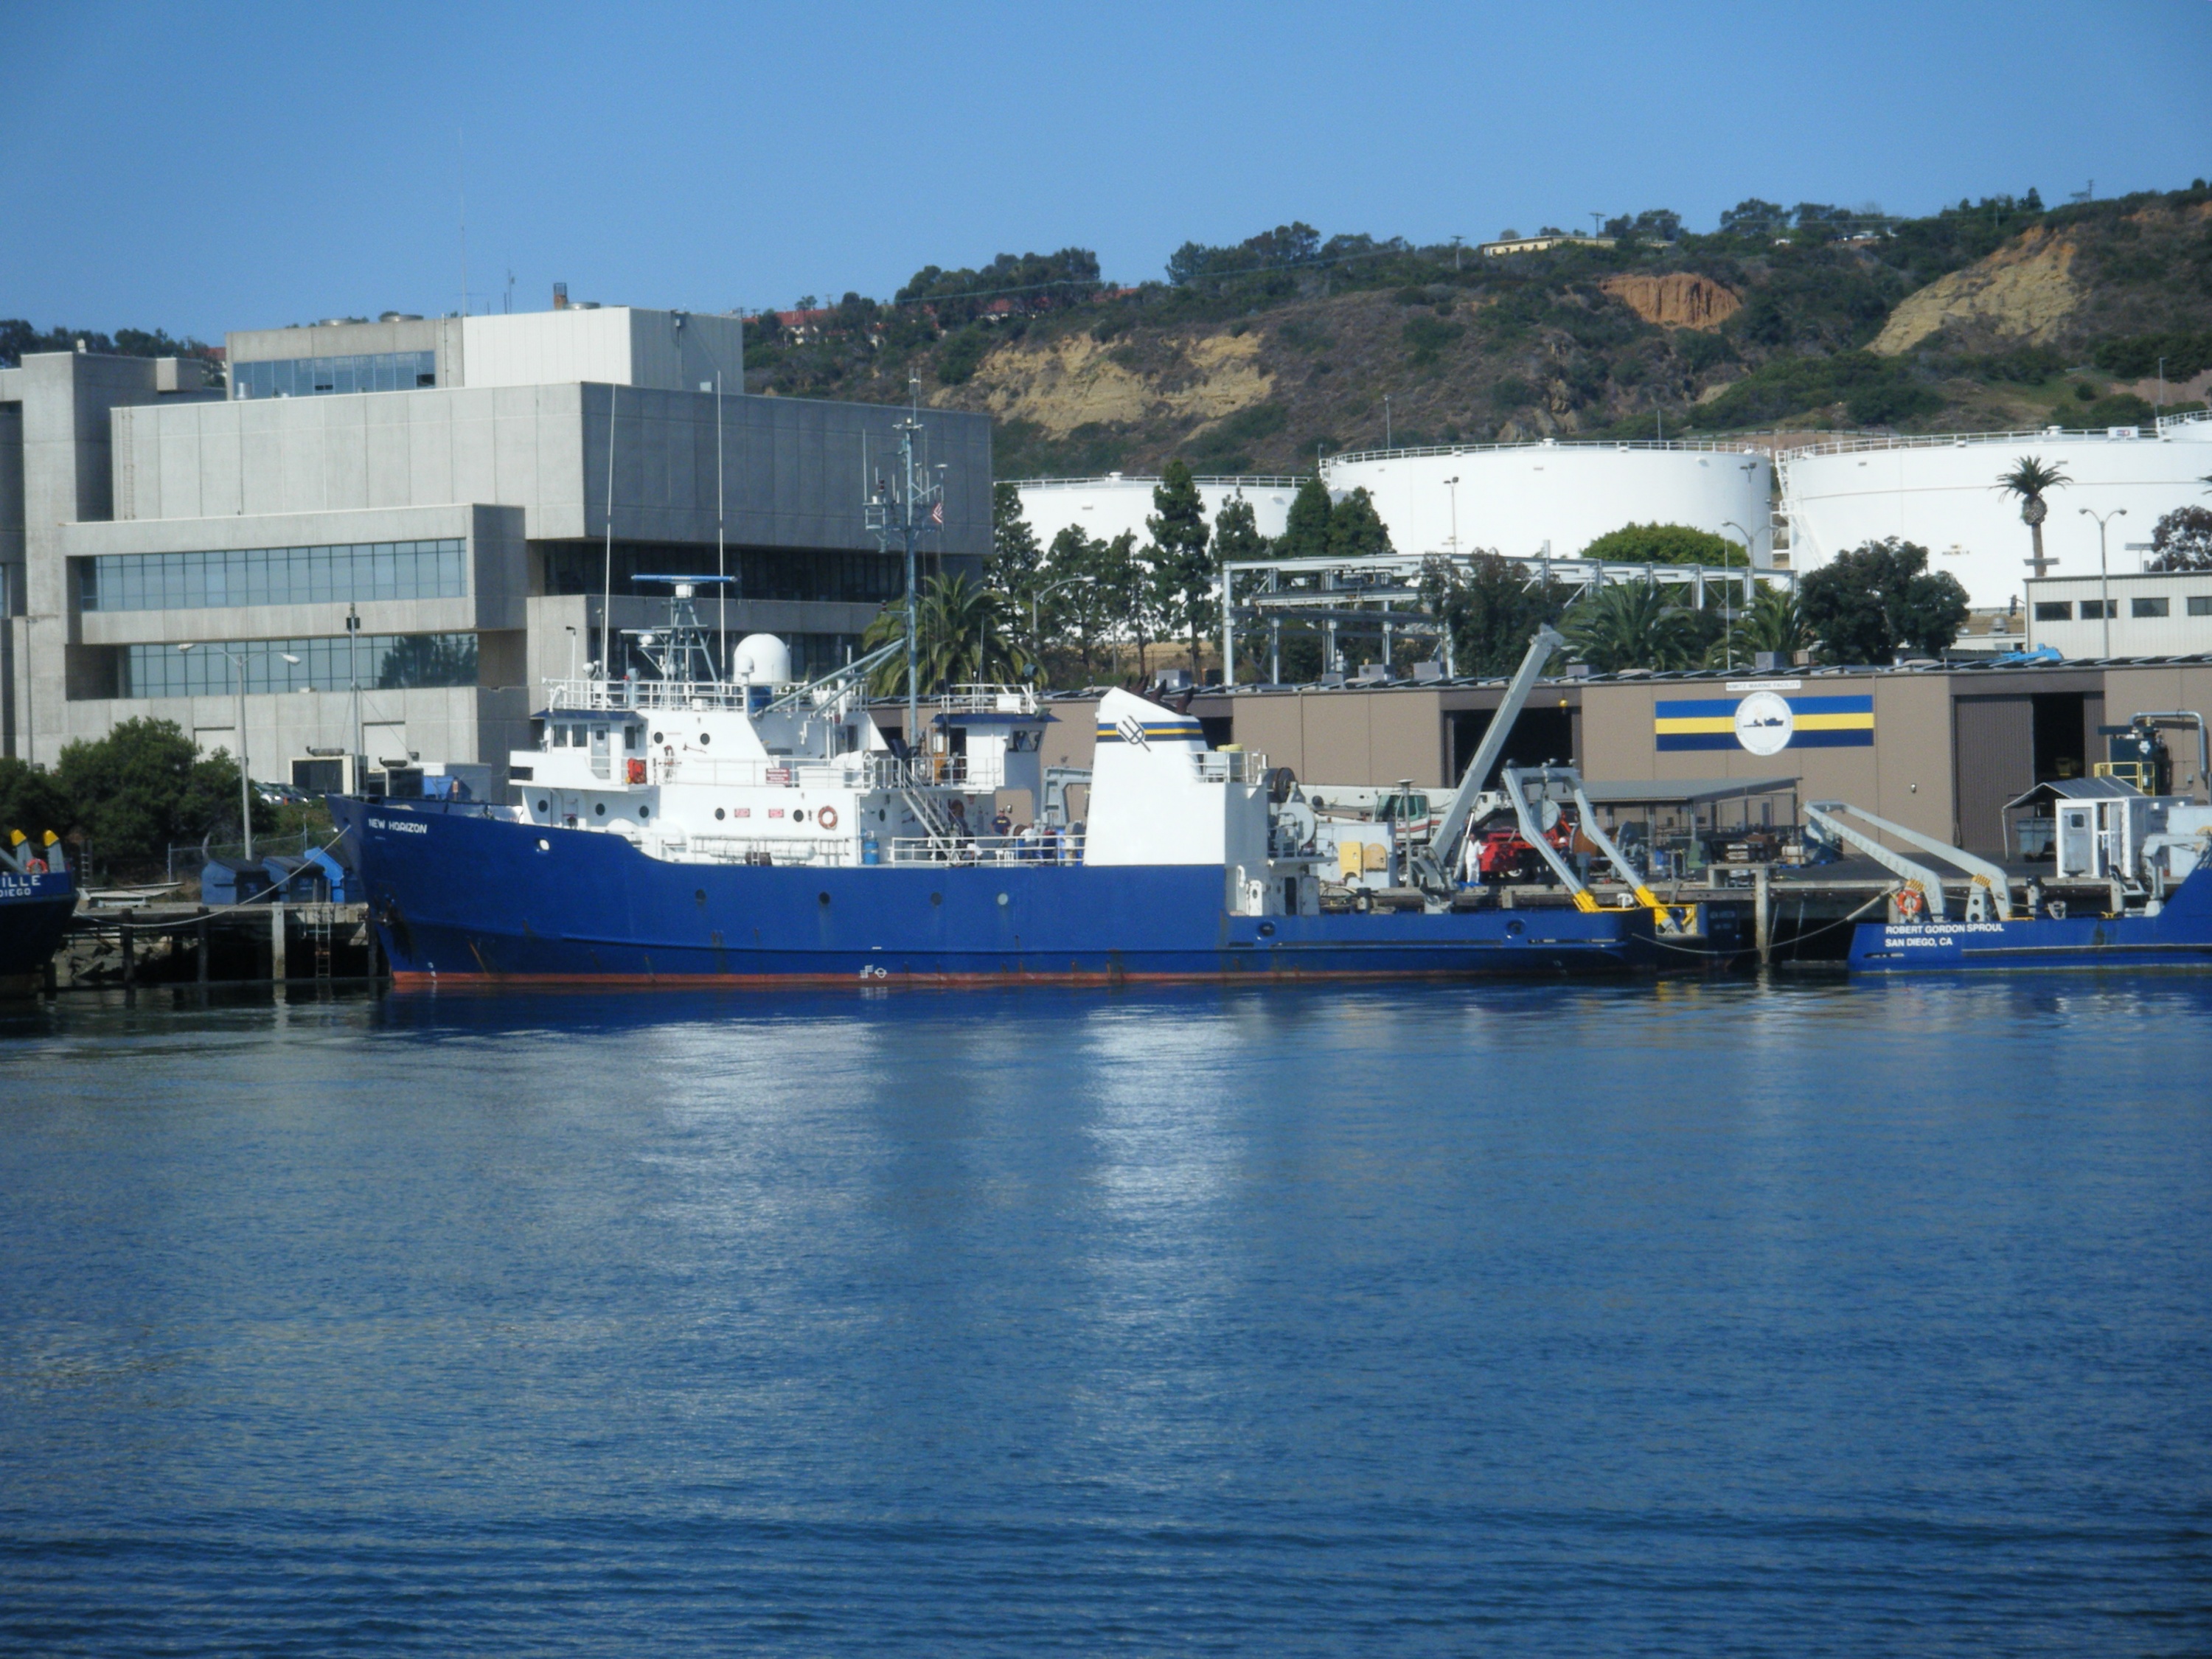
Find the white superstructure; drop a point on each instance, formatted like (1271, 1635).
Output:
(1103, 508)
(1553, 499)
(1941, 492)
(693, 769)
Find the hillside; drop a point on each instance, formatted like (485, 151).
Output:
(1996, 314)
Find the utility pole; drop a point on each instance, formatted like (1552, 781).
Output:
(353, 666)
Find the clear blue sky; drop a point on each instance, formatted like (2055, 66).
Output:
(200, 167)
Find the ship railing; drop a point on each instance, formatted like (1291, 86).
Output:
(988, 700)
(935, 772)
(1049, 848)
(1231, 766)
(782, 850)
(644, 695)
(719, 771)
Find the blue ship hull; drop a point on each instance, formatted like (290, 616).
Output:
(459, 899)
(2179, 936)
(34, 913)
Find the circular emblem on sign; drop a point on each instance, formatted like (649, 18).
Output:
(1764, 723)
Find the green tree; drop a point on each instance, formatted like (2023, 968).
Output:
(1236, 540)
(33, 800)
(1077, 561)
(1015, 554)
(1664, 543)
(2182, 540)
(142, 788)
(2029, 478)
(1305, 534)
(1631, 625)
(1879, 599)
(1492, 606)
(1355, 529)
(1124, 591)
(964, 635)
(1182, 565)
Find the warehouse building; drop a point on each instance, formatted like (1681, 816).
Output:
(425, 507)
(1940, 749)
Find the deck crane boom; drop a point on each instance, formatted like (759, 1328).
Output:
(1433, 863)
(1989, 896)
(1534, 835)
(1664, 916)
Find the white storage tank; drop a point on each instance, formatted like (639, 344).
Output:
(1943, 492)
(1553, 499)
(1105, 508)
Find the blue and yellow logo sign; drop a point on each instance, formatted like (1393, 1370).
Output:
(1765, 722)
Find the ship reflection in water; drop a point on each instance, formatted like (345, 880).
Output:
(1692, 1317)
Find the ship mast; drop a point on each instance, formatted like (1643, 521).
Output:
(902, 506)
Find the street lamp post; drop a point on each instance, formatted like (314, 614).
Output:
(1452, 484)
(245, 773)
(2104, 574)
(1727, 615)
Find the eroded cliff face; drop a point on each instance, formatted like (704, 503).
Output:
(2021, 294)
(1075, 381)
(1680, 298)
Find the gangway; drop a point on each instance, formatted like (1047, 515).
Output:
(1989, 893)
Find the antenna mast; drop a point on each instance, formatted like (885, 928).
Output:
(898, 508)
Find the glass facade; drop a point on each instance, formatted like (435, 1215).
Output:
(273, 575)
(387, 661)
(318, 377)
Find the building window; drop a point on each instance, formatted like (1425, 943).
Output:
(273, 575)
(2054, 610)
(2149, 607)
(322, 377)
(383, 661)
(761, 573)
(2096, 611)
(2200, 604)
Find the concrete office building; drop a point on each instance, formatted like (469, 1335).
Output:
(445, 481)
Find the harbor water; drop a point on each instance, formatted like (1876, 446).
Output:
(1695, 1318)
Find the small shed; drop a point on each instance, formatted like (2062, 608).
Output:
(295, 880)
(232, 881)
(338, 882)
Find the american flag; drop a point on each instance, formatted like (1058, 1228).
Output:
(937, 515)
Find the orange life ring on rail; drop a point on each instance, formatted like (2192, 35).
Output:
(827, 818)
(1910, 902)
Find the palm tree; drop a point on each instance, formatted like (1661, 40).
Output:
(964, 635)
(1630, 625)
(1774, 623)
(2029, 478)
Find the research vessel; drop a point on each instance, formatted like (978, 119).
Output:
(2130, 884)
(686, 828)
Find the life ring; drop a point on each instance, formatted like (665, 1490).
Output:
(1909, 901)
(826, 816)
(36, 866)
